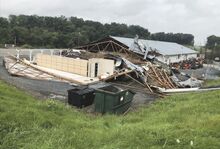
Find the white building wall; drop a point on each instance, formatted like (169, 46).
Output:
(71, 65)
(175, 58)
(192, 56)
(105, 67)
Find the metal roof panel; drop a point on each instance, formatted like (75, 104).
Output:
(164, 48)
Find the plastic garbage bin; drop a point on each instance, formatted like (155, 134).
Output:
(81, 96)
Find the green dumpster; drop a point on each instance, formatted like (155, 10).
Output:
(111, 99)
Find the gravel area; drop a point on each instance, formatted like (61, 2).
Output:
(207, 73)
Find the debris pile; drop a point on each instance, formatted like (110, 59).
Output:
(149, 74)
(183, 80)
(193, 63)
(124, 66)
(144, 73)
(160, 78)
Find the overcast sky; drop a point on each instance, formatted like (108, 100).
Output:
(198, 17)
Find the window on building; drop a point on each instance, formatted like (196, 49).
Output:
(96, 69)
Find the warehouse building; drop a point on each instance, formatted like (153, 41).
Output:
(165, 52)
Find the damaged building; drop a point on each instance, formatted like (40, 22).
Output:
(165, 52)
(108, 72)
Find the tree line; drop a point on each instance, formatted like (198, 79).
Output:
(184, 39)
(61, 32)
(213, 46)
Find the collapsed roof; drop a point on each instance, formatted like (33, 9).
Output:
(164, 48)
(139, 46)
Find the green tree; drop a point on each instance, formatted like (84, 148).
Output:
(62, 32)
(184, 39)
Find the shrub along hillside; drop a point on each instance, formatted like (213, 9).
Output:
(172, 122)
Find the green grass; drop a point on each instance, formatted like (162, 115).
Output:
(29, 123)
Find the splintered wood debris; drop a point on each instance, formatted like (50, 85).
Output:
(16, 68)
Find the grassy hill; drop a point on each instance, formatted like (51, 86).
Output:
(178, 121)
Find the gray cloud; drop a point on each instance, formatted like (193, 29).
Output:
(198, 17)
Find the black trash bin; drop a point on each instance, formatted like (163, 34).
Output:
(81, 96)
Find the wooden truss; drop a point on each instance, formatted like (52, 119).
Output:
(109, 45)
